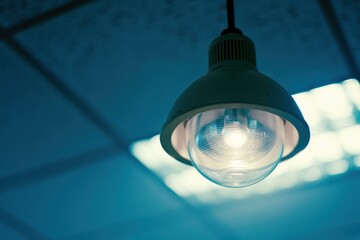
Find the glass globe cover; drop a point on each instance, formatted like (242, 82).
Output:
(235, 147)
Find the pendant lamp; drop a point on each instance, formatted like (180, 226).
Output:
(235, 124)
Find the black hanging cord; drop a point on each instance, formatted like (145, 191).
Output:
(230, 14)
(230, 19)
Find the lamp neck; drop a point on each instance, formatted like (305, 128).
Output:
(231, 47)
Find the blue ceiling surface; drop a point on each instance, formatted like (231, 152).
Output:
(14, 12)
(9, 234)
(80, 80)
(350, 22)
(39, 125)
(110, 192)
(323, 212)
(176, 225)
(131, 60)
(294, 44)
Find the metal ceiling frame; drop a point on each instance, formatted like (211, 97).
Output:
(339, 36)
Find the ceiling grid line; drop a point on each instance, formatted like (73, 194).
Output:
(53, 13)
(81, 104)
(338, 33)
(209, 222)
(120, 145)
(20, 227)
(89, 113)
(53, 169)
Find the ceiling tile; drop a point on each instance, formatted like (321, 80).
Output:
(131, 59)
(294, 43)
(300, 214)
(9, 234)
(186, 228)
(128, 72)
(113, 191)
(13, 12)
(179, 224)
(348, 14)
(38, 125)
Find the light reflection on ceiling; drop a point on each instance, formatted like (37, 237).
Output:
(333, 113)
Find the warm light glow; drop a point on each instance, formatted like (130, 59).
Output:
(312, 174)
(350, 139)
(326, 147)
(281, 169)
(352, 88)
(237, 148)
(264, 187)
(357, 161)
(234, 135)
(337, 167)
(332, 147)
(144, 151)
(289, 180)
(303, 160)
(306, 103)
(189, 182)
(332, 101)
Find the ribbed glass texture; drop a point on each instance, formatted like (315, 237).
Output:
(235, 147)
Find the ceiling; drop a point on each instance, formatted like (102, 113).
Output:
(81, 80)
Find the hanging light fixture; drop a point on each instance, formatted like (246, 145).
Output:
(234, 125)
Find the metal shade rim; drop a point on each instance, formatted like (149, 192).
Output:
(299, 124)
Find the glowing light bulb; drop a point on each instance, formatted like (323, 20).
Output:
(235, 147)
(233, 91)
(234, 135)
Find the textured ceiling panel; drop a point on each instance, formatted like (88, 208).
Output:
(188, 228)
(171, 225)
(126, 70)
(38, 125)
(348, 14)
(13, 12)
(329, 211)
(9, 234)
(131, 59)
(113, 191)
(294, 43)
